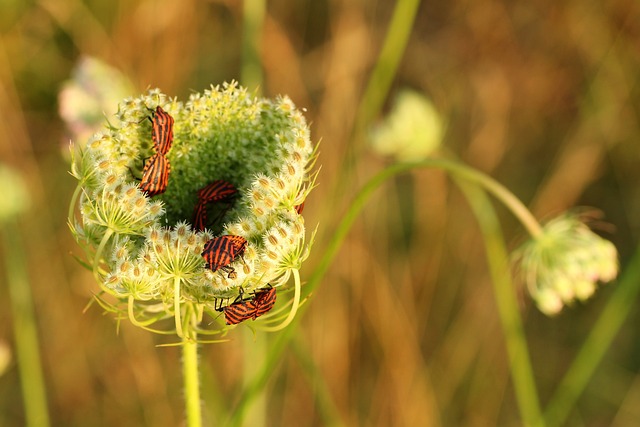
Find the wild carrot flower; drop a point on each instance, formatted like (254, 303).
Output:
(565, 263)
(144, 251)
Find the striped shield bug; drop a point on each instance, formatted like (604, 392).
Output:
(221, 251)
(238, 312)
(155, 175)
(241, 310)
(264, 300)
(216, 192)
(162, 132)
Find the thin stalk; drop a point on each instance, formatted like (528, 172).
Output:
(255, 348)
(393, 49)
(596, 345)
(497, 258)
(191, 376)
(253, 18)
(176, 307)
(98, 256)
(25, 329)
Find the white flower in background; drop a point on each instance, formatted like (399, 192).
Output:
(566, 263)
(412, 131)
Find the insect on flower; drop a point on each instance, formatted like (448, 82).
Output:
(241, 310)
(162, 132)
(221, 251)
(264, 300)
(217, 191)
(155, 175)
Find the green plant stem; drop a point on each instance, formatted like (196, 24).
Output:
(253, 18)
(393, 49)
(497, 258)
(341, 231)
(191, 380)
(255, 348)
(575, 380)
(25, 329)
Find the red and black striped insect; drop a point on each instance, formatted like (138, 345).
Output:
(162, 132)
(264, 300)
(241, 310)
(221, 251)
(155, 175)
(299, 208)
(218, 191)
(238, 312)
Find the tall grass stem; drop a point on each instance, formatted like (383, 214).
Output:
(25, 328)
(393, 48)
(504, 291)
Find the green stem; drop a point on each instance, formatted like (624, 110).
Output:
(497, 258)
(25, 329)
(176, 307)
(191, 380)
(251, 72)
(72, 205)
(596, 345)
(98, 256)
(393, 49)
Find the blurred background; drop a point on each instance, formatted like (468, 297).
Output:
(403, 330)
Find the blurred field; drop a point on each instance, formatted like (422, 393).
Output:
(403, 330)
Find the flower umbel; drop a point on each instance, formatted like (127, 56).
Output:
(143, 250)
(565, 263)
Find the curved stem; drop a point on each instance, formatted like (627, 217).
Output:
(492, 186)
(191, 377)
(72, 205)
(500, 192)
(96, 258)
(340, 234)
(497, 258)
(294, 307)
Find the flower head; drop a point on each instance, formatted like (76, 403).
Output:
(412, 131)
(145, 252)
(565, 263)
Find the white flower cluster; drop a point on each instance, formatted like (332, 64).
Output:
(566, 263)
